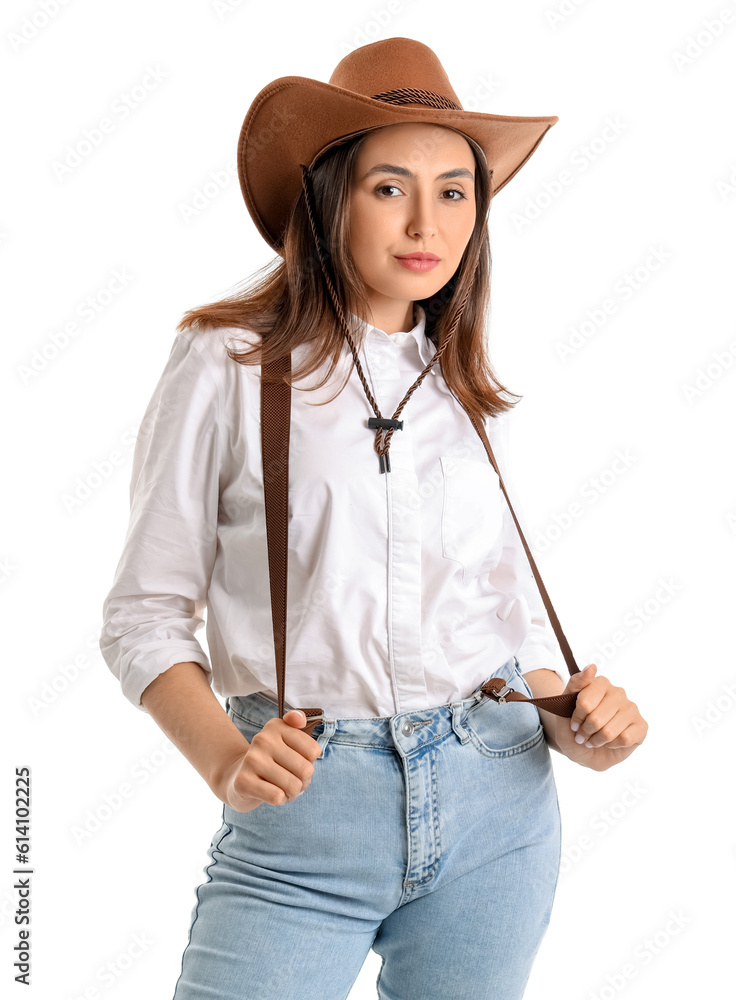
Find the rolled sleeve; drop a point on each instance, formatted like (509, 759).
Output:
(540, 648)
(159, 590)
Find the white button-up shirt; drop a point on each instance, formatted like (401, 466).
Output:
(406, 590)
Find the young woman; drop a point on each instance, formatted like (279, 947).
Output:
(418, 817)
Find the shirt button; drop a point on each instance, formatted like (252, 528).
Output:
(407, 728)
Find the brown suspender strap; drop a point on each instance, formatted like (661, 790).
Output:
(275, 428)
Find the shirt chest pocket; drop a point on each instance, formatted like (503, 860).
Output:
(472, 515)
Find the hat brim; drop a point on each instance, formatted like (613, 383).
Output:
(294, 118)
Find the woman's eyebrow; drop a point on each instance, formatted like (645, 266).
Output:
(391, 168)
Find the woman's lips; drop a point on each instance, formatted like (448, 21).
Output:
(414, 264)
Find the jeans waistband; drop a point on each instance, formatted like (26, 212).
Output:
(406, 730)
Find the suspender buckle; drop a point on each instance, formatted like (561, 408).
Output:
(501, 695)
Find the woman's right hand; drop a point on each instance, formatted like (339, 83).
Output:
(277, 766)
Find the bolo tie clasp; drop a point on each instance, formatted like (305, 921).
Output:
(385, 423)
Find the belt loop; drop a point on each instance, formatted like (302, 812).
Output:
(330, 727)
(457, 723)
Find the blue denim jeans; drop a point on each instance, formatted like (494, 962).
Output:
(432, 837)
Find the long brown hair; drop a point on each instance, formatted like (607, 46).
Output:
(287, 302)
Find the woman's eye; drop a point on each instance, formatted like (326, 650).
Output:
(393, 187)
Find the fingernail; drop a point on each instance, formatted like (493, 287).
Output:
(588, 743)
(579, 738)
(574, 726)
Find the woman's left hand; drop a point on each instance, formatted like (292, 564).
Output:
(605, 727)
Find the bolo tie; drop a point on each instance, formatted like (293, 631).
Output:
(383, 426)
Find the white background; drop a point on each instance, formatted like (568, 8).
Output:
(659, 839)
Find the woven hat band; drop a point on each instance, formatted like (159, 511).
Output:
(410, 95)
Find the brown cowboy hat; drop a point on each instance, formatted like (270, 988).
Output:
(393, 81)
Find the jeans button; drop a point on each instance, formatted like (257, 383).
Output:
(407, 728)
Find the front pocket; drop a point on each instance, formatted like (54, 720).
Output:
(472, 515)
(246, 727)
(504, 730)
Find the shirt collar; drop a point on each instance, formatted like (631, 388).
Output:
(426, 348)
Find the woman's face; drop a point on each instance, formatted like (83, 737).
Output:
(400, 203)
